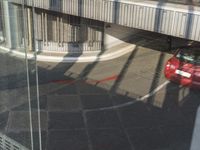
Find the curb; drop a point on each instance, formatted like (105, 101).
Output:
(80, 59)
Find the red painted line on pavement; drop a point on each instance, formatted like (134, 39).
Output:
(114, 77)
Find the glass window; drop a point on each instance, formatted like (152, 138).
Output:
(189, 55)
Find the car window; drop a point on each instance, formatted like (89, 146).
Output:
(191, 56)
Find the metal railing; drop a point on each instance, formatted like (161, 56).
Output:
(7, 143)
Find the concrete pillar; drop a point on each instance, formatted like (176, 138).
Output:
(10, 24)
(7, 23)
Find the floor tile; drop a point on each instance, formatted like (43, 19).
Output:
(70, 140)
(147, 139)
(65, 90)
(137, 115)
(65, 120)
(20, 121)
(3, 120)
(34, 105)
(95, 101)
(63, 103)
(109, 139)
(103, 119)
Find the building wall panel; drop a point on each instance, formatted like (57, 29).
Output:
(124, 10)
(195, 26)
(134, 21)
(85, 8)
(141, 17)
(67, 33)
(147, 25)
(129, 15)
(180, 24)
(173, 21)
(197, 30)
(167, 25)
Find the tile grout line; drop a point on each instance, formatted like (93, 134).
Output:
(122, 126)
(125, 131)
(84, 119)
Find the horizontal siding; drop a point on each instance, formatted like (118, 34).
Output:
(170, 22)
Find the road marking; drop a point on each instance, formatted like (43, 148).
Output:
(154, 91)
(89, 81)
(110, 78)
(132, 102)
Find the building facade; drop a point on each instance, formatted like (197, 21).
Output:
(80, 25)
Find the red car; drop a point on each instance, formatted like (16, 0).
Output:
(184, 67)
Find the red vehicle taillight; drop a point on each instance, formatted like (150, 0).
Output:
(170, 66)
(169, 69)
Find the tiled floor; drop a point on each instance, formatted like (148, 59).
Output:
(72, 117)
(70, 122)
